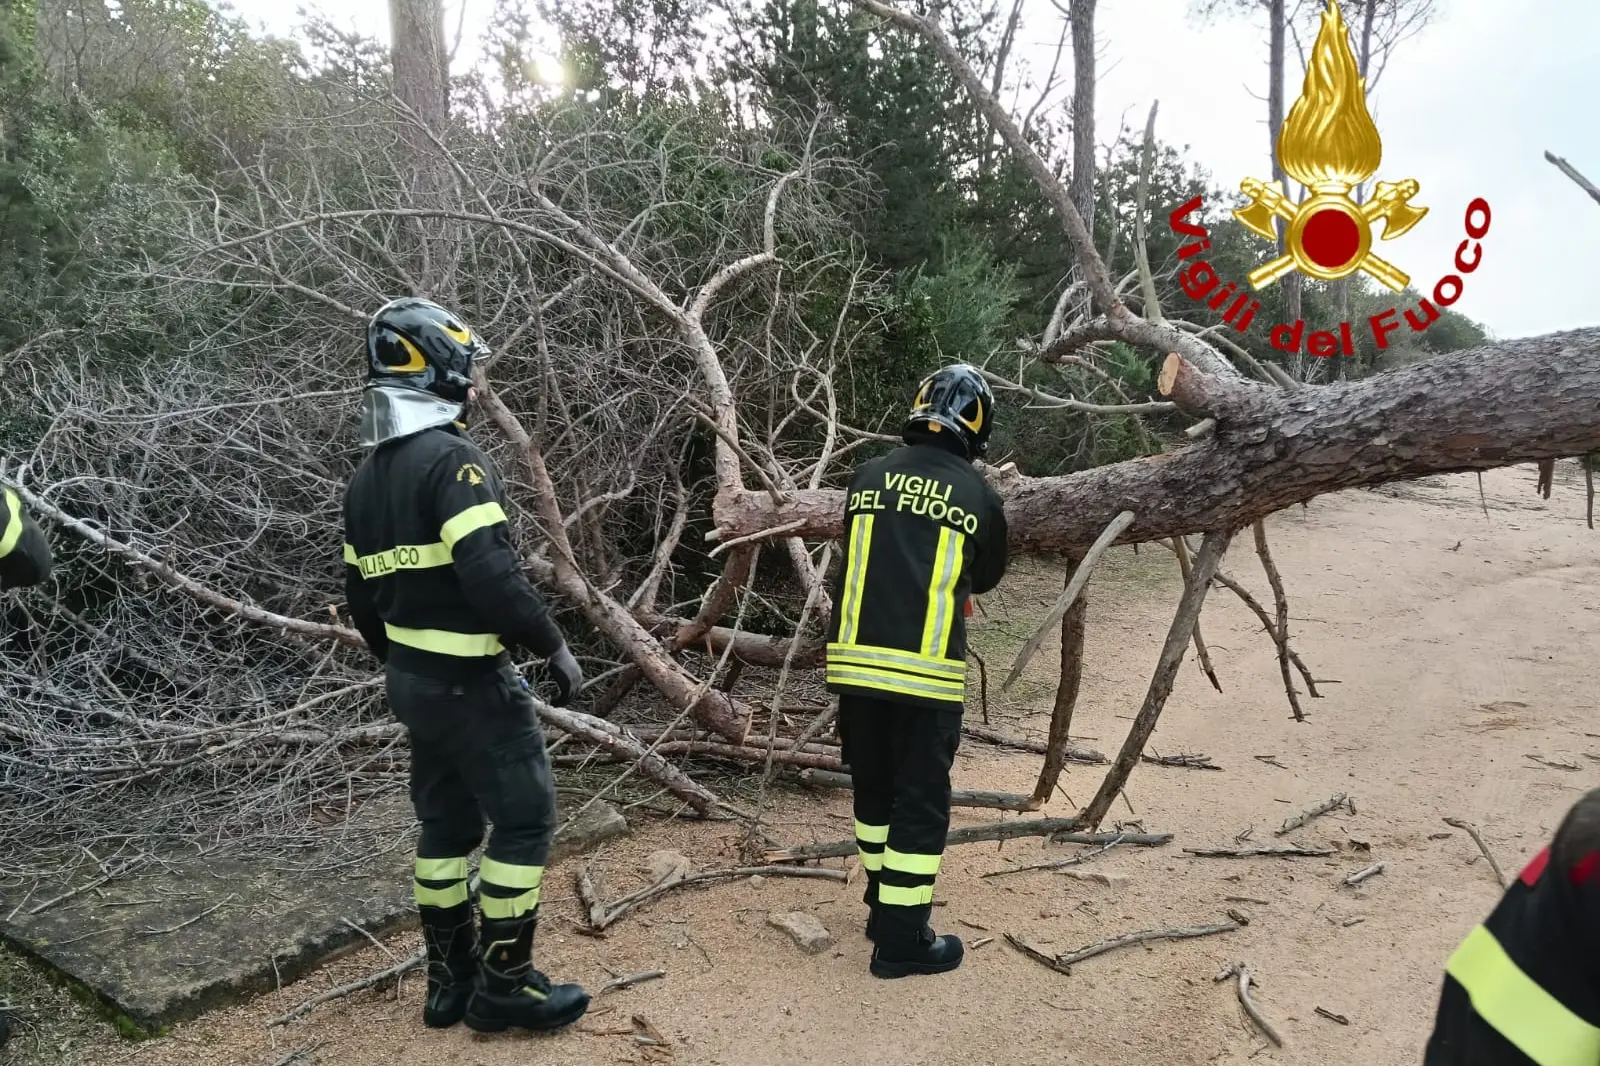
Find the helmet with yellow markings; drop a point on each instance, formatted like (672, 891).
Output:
(955, 399)
(415, 343)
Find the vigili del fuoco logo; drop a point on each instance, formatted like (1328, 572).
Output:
(1330, 145)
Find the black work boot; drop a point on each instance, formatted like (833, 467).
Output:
(923, 953)
(509, 992)
(452, 963)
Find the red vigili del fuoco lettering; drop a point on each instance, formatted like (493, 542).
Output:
(1329, 144)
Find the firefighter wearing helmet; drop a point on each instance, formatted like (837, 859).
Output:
(434, 584)
(923, 533)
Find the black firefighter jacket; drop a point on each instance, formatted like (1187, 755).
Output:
(923, 532)
(433, 581)
(1524, 986)
(24, 551)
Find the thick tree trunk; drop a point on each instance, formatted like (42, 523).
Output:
(1513, 402)
(1081, 16)
(421, 82)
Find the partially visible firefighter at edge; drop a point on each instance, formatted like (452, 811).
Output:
(24, 551)
(1524, 986)
(924, 532)
(435, 586)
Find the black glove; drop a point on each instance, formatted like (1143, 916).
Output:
(567, 674)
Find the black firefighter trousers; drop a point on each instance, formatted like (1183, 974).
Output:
(477, 751)
(899, 757)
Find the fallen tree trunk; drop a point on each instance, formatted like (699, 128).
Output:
(1497, 405)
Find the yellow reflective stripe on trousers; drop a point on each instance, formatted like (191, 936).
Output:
(871, 834)
(400, 557)
(870, 860)
(902, 684)
(900, 896)
(11, 530)
(1521, 1011)
(470, 521)
(453, 896)
(442, 869)
(942, 592)
(508, 907)
(855, 577)
(894, 659)
(443, 642)
(510, 875)
(926, 865)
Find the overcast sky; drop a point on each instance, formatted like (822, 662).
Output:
(1467, 108)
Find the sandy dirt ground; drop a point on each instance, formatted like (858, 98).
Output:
(1460, 644)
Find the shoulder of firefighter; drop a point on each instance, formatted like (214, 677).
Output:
(1524, 985)
(432, 577)
(24, 551)
(924, 532)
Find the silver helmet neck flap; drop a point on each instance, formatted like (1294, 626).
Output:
(389, 412)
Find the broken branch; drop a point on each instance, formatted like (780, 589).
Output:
(1332, 804)
(1472, 831)
(1060, 829)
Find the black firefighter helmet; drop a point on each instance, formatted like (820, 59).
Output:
(416, 344)
(954, 399)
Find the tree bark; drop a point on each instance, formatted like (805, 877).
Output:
(1072, 633)
(421, 83)
(1513, 402)
(1081, 16)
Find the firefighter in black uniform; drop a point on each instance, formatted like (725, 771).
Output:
(1523, 989)
(923, 532)
(435, 586)
(24, 552)
(24, 560)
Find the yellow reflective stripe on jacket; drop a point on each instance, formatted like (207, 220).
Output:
(903, 684)
(465, 645)
(855, 577)
(470, 521)
(900, 896)
(926, 865)
(931, 666)
(942, 592)
(1518, 1008)
(400, 557)
(11, 529)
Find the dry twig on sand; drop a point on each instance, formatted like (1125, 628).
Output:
(1242, 972)
(1285, 851)
(1361, 875)
(602, 914)
(1060, 864)
(1064, 962)
(1061, 830)
(1299, 820)
(372, 981)
(1472, 831)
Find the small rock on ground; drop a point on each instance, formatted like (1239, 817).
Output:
(667, 865)
(806, 931)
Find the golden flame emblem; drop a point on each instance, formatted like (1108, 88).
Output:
(1329, 144)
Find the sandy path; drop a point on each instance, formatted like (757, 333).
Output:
(1461, 645)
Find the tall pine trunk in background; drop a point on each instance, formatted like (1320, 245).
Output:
(1277, 22)
(422, 85)
(1081, 17)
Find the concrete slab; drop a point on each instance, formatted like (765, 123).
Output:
(187, 933)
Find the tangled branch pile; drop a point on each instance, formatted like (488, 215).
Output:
(693, 348)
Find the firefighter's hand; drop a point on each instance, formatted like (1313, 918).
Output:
(567, 674)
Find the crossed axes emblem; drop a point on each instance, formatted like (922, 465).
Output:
(1389, 202)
